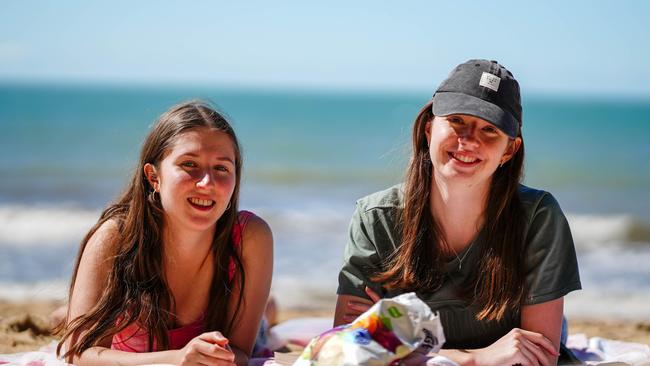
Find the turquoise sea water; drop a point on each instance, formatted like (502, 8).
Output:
(66, 151)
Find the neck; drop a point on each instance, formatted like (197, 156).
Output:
(459, 210)
(186, 250)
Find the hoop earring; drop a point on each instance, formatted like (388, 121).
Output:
(152, 195)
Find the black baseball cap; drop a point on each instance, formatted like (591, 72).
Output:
(483, 89)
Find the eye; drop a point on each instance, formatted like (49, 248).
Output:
(490, 129)
(221, 168)
(188, 164)
(455, 120)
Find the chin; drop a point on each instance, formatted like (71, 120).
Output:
(201, 223)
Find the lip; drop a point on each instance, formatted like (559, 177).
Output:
(199, 207)
(463, 163)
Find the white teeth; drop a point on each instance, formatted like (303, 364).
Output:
(200, 202)
(465, 159)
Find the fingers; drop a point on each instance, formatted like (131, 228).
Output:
(526, 357)
(414, 359)
(216, 362)
(373, 295)
(212, 347)
(215, 351)
(358, 307)
(195, 357)
(535, 347)
(539, 354)
(541, 341)
(355, 308)
(349, 318)
(214, 337)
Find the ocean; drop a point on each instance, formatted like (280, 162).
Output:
(66, 151)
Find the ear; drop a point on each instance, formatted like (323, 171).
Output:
(511, 149)
(427, 131)
(152, 176)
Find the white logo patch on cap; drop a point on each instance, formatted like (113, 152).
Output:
(490, 81)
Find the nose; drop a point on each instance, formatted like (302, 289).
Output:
(205, 179)
(467, 137)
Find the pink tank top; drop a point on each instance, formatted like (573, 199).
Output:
(135, 339)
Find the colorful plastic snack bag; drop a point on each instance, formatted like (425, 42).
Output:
(389, 331)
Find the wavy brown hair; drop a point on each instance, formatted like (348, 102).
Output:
(136, 289)
(497, 283)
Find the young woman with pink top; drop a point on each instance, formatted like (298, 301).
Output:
(173, 272)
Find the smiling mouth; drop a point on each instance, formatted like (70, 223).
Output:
(201, 204)
(464, 159)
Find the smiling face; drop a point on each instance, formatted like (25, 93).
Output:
(467, 149)
(196, 178)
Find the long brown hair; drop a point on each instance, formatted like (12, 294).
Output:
(136, 288)
(497, 284)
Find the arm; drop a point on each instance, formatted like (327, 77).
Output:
(545, 319)
(94, 266)
(349, 307)
(344, 311)
(538, 339)
(257, 260)
(551, 272)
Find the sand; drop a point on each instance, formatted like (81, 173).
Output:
(25, 326)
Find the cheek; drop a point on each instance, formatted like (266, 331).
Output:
(175, 180)
(440, 140)
(226, 185)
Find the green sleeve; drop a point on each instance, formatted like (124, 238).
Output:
(550, 256)
(361, 258)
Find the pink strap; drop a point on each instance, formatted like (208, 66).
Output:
(237, 233)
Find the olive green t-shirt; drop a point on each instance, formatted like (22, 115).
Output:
(550, 260)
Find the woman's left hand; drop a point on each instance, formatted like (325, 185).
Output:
(354, 308)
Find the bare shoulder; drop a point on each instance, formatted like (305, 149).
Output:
(257, 237)
(257, 229)
(93, 269)
(102, 243)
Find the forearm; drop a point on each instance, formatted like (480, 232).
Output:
(96, 356)
(462, 357)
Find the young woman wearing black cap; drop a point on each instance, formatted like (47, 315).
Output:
(494, 258)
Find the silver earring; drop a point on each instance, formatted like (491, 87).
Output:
(152, 194)
(228, 207)
(501, 165)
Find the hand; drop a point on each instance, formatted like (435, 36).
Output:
(355, 308)
(209, 348)
(414, 359)
(518, 347)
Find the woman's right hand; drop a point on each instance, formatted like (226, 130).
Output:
(354, 308)
(209, 348)
(518, 347)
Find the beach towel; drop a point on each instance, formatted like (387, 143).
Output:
(592, 351)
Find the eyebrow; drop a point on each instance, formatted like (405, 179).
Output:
(221, 158)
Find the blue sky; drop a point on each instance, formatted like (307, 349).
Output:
(574, 47)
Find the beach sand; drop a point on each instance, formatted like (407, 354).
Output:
(24, 326)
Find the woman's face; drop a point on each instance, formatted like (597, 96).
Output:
(467, 149)
(196, 178)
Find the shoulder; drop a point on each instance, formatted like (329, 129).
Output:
(97, 258)
(376, 220)
(102, 243)
(256, 230)
(388, 199)
(535, 201)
